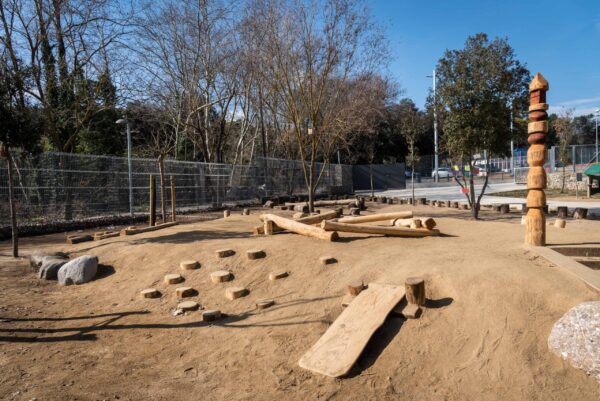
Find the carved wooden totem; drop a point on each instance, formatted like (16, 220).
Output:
(536, 157)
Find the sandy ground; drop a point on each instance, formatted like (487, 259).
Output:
(483, 335)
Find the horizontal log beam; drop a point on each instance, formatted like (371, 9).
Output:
(365, 229)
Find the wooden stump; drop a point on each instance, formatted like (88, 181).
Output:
(235, 293)
(278, 275)
(188, 305)
(150, 293)
(354, 211)
(256, 254)
(355, 287)
(173, 278)
(224, 253)
(268, 227)
(327, 260)
(211, 315)
(220, 276)
(422, 201)
(504, 208)
(184, 292)
(560, 223)
(416, 223)
(535, 232)
(415, 290)
(246, 212)
(562, 212)
(264, 303)
(189, 264)
(580, 213)
(226, 213)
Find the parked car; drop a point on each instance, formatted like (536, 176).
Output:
(443, 172)
(408, 176)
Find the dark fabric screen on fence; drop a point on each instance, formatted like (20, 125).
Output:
(385, 176)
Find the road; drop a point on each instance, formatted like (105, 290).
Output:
(452, 193)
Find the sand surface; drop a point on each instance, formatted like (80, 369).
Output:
(482, 336)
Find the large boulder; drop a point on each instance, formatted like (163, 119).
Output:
(79, 270)
(50, 265)
(36, 258)
(575, 337)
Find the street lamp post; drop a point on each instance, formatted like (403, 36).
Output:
(596, 115)
(435, 129)
(125, 121)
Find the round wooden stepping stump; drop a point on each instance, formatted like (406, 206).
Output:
(355, 287)
(235, 293)
(246, 212)
(188, 305)
(226, 213)
(265, 303)
(277, 276)
(189, 265)
(256, 254)
(327, 260)
(415, 290)
(211, 315)
(220, 276)
(173, 278)
(560, 223)
(150, 293)
(224, 253)
(184, 292)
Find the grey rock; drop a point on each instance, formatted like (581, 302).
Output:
(35, 260)
(79, 270)
(50, 266)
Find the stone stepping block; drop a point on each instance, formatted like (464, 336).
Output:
(235, 293)
(189, 264)
(256, 254)
(265, 303)
(173, 278)
(184, 292)
(220, 276)
(211, 315)
(327, 260)
(188, 305)
(278, 275)
(224, 253)
(150, 293)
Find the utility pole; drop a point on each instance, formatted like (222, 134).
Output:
(126, 122)
(435, 130)
(512, 144)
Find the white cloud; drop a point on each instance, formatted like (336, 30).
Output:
(582, 106)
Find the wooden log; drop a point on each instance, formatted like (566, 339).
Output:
(224, 253)
(173, 203)
(538, 106)
(355, 287)
(401, 222)
(188, 306)
(264, 303)
(226, 213)
(538, 115)
(268, 227)
(580, 213)
(246, 212)
(211, 315)
(535, 227)
(256, 254)
(416, 224)
(339, 202)
(537, 126)
(537, 96)
(185, 292)
(127, 231)
(315, 219)
(173, 278)
(365, 229)
(327, 260)
(220, 276)
(150, 293)
(189, 264)
(504, 208)
(278, 275)
(415, 290)
(302, 228)
(562, 212)
(536, 178)
(152, 214)
(536, 198)
(560, 223)
(536, 155)
(537, 138)
(105, 234)
(76, 239)
(235, 293)
(376, 217)
(354, 211)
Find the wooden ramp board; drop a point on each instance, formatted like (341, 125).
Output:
(338, 349)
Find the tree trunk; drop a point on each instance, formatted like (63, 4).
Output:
(13, 211)
(474, 204)
(161, 169)
(562, 189)
(371, 178)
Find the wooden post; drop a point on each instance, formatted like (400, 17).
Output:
(415, 290)
(535, 233)
(173, 214)
(152, 201)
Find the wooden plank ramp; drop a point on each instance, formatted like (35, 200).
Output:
(338, 349)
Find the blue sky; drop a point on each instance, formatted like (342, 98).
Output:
(560, 39)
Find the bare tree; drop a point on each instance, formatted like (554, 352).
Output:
(412, 127)
(564, 127)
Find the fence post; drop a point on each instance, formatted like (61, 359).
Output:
(152, 202)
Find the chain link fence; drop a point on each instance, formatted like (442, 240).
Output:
(62, 186)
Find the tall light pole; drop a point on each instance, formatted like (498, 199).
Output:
(435, 130)
(596, 115)
(125, 121)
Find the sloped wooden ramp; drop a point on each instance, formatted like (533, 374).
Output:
(338, 349)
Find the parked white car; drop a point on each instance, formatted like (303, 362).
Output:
(443, 172)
